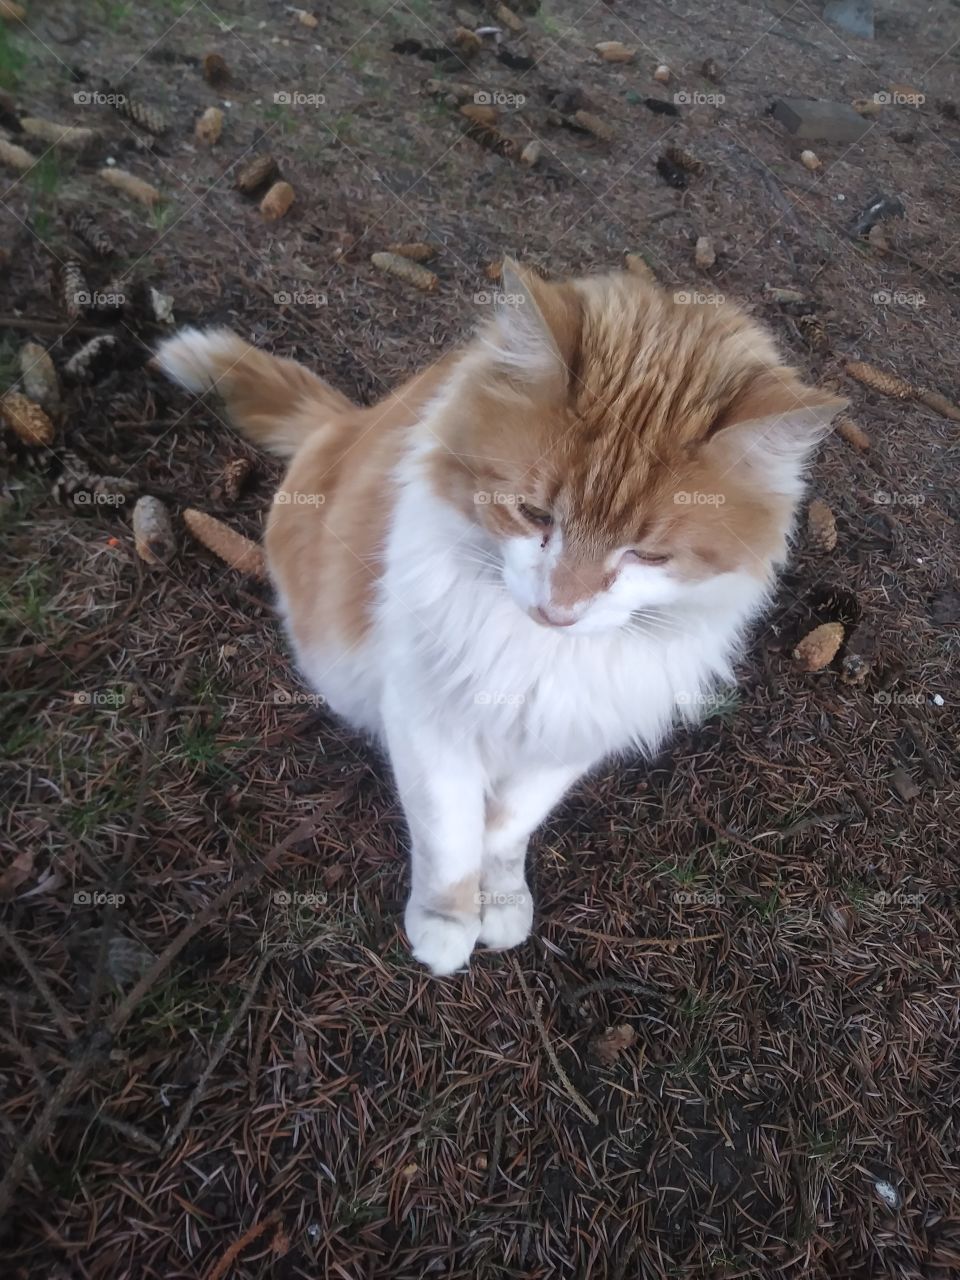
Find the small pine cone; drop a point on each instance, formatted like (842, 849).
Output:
(256, 173)
(493, 140)
(84, 226)
(26, 419)
(416, 250)
(704, 254)
(507, 18)
(854, 668)
(277, 201)
(74, 289)
(683, 159)
(813, 333)
(142, 115)
(215, 70)
(209, 127)
(819, 647)
(79, 487)
(152, 532)
(939, 404)
(480, 113)
(614, 51)
(232, 547)
(235, 476)
(16, 158)
(854, 434)
(39, 377)
(131, 186)
(887, 384)
(412, 272)
(821, 526)
(593, 124)
(92, 360)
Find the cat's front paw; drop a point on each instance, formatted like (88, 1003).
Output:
(442, 943)
(507, 917)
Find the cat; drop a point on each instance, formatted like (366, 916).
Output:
(537, 553)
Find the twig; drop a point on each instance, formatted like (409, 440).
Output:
(812, 820)
(495, 1153)
(131, 1131)
(256, 1057)
(174, 1135)
(40, 982)
(252, 1233)
(578, 1101)
(51, 327)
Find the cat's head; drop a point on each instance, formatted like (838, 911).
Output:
(616, 446)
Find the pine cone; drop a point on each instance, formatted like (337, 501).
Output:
(152, 532)
(938, 403)
(84, 226)
(819, 647)
(813, 333)
(235, 476)
(215, 70)
(593, 124)
(232, 547)
(490, 137)
(142, 114)
(821, 526)
(683, 159)
(256, 173)
(854, 435)
(887, 384)
(92, 360)
(74, 289)
(39, 377)
(26, 419)
(412, 272)
(416, 251)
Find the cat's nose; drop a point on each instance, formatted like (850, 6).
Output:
(548, 617)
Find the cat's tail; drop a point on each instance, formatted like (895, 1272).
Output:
(274, 402)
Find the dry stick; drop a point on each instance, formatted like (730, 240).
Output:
(238, 1246)
(256, 1058)
(53, 1004)
(118, 1019)
(578, 1101)
(51, 327)
(174, 1135)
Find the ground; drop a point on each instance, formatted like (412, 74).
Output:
(729, 1048)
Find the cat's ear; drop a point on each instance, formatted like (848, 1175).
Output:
(774, 430)
(535, 328)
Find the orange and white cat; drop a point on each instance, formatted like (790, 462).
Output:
(533, 555)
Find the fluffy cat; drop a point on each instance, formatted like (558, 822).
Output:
(535, 554)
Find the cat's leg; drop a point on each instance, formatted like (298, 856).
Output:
(441, 787)
(516, 808)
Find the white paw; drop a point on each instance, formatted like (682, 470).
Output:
(507, 917)
(442, 943)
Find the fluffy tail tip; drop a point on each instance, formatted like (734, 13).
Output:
(196, 358)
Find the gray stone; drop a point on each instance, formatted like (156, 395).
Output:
(809, 119)
(853, 16)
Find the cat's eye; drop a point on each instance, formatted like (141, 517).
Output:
(645, 557)
(535, 515)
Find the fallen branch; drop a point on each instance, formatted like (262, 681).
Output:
(577, 1099)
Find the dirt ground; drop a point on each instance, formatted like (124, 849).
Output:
(730, 1048)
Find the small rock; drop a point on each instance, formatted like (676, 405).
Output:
(662, 74)
(812, 119)
(810, 160)
(704, 254)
